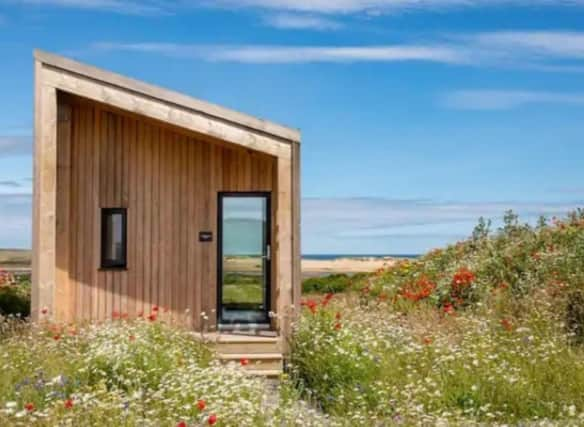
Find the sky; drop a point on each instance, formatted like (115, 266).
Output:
(417, 116)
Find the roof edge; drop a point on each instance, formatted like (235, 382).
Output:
(169, 96)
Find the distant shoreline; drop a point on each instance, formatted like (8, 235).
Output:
(312, 264)
(330, 257)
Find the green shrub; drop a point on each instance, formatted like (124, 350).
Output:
(334, 283)
(14, 295)
(14, 302)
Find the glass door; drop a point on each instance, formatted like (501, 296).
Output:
(244, 258)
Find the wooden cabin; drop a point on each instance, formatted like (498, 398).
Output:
(149, 200)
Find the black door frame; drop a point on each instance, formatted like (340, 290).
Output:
(268, 261)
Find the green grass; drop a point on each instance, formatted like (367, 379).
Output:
(241, 288)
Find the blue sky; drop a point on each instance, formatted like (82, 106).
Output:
(418, 116)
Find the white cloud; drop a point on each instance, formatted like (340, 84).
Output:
(15, 146)
(562, 44)
(293, 21)
(292, 54)
(379, 6)
(549, 51)
(375, 225)
(507, 99)
(146, 7)
(10, 183)
(371, 7)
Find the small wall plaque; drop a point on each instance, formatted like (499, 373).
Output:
(205, 236)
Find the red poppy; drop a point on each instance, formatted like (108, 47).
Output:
(311, 304)
(462, 278)
(201, 404)
(68, 403)
(57, 337)
(428, 340)
(29, 407)
(212, 419)
(115, 315)
(448, 308)
(244, 362)
(338, 326)
(181, 424)
(418, 290)
(132, 338)
(338, 315)
(45, 310)
(152, 317)
(507, 325)
(154, 308)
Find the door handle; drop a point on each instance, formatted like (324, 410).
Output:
(268, 255)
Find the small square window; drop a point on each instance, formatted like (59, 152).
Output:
(113, 238)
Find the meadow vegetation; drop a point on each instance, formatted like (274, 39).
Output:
(490, 330)
(129, 373)
(487, 331)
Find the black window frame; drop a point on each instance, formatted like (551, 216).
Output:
(108, 264)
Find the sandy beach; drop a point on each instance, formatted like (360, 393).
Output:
(316, 267)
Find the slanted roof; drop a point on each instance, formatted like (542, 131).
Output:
(163, 104)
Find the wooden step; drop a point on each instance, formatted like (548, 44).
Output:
(256, 361)
(240, 344)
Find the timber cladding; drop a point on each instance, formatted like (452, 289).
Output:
(168, 180)
(108, 143)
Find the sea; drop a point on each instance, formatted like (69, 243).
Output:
(332, 257)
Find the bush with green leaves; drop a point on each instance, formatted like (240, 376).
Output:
(14, 295)
(333, 283)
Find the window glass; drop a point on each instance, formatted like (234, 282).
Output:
(113, 238)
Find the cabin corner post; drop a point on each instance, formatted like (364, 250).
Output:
(296, 230)
(44, 197)
(285, 277)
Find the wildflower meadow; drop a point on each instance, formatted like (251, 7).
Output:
(489, 331)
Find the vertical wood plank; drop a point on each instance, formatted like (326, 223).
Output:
(139, 219)
(96, 214)
(165, 147)
(133, 241)
(147, 213)
(155, 172)
(64, 297)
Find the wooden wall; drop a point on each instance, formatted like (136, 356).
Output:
(168, 180)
